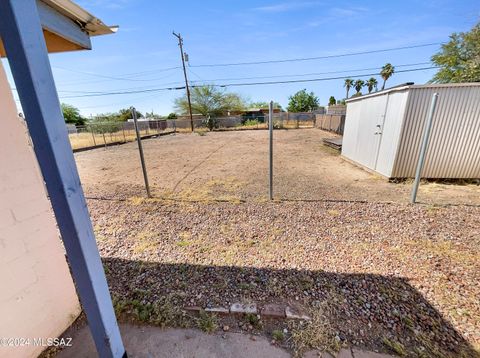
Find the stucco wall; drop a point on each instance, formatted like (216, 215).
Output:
(37, 295)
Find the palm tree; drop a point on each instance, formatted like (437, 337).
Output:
(387, 71)
(358, 86)
(348, 84)
(371, 84)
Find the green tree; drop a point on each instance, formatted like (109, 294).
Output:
(303, 102)
(172, 115)
(348, 84)
(105, 117)
(358, 85)
(371, 84)
(104, 123)
(387, 71)
(261, 104)
(210, 101)
(332, 101)
(459, 59)
(72, 115)
(126, 114)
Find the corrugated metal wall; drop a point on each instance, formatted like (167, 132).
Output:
(454, 147)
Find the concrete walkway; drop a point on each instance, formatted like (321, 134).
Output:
(153, 342)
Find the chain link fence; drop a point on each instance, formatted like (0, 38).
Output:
(99, 134)
(284, 120)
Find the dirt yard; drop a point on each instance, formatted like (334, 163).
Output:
(234, 165)
(339, 243)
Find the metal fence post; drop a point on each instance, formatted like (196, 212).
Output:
(93, 136)
(270, 130)
(104, 140)
(423, 148)
(123, 130)
(140, 150)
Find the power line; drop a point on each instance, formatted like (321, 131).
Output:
(247, 83)
(75, 83)
(314, 79)
(126, 92)
(117, 78)
(133, 89)
(200, 78)
(134, 100)
(308, 74)
(317, 57)
(128, 76)
(177, 83)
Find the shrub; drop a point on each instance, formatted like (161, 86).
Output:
(250, 122)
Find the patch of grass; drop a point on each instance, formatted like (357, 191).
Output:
(306, 282)
(145, 242)
(253, 320)
(161, 313)
(183, 243)
(207, 322)
(278, 124)
(136, 200)
(334, 212)
(250, 122)
(408, 322)
(315, 334)
(431, 209)
(278, 335)
(395, 346)
(244, 286)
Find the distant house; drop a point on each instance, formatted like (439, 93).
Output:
(258, 114)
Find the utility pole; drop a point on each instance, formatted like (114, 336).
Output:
(180, 43)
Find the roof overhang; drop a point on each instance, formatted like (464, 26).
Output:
(67, 26)
(401, 87)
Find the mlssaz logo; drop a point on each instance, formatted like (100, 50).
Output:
(53, 342)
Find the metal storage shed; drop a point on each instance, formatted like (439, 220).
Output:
(383, 131)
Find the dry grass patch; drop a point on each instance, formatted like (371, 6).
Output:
(145, 242)
(315, 334)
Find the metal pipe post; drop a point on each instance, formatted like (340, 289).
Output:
(270, 130)
(423, 148)
(140, 150)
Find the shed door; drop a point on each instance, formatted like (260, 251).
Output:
(370, 130)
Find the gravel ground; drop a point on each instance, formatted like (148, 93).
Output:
(383, 276)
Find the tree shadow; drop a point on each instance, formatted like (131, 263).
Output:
(372, 311)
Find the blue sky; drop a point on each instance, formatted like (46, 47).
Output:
(243, 31)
